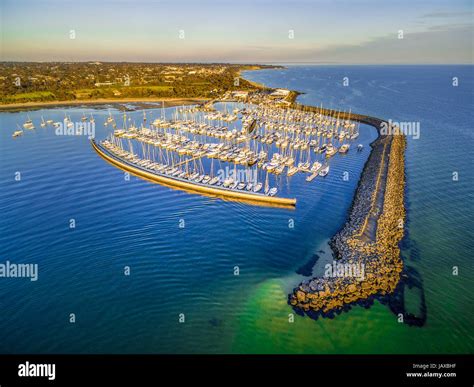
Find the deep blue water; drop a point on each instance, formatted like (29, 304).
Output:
(190, 270)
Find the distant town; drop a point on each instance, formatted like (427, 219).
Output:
(88, 81)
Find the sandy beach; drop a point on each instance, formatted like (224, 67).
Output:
(168, 102)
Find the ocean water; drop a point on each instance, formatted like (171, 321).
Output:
(189, 271)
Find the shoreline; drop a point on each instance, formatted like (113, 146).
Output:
(168, 102)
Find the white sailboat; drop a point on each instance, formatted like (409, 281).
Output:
(68, 122)
(18, 132)
(344, 148)
(109, 119)
(267, 186)
(324, 171)
(28, 123)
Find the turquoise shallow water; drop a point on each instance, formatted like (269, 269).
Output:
(190, 270)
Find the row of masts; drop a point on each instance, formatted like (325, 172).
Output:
(282, 138)
(192, 170)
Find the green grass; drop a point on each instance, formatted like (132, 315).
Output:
(93, 93)
(84, 91)
(34, 96)
(154, 88)
(122, 88)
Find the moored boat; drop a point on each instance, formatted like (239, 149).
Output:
(257, 187)
(344, 148)
(324, 171)
(28, 124)
(18, 132)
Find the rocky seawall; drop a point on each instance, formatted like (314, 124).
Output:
(367, 256)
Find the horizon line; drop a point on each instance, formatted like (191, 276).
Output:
(247, 63)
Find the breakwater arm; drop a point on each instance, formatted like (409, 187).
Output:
(371, 235)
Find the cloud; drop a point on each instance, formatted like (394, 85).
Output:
(445, 14)
(442, 44)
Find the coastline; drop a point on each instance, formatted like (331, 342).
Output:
(168, 102)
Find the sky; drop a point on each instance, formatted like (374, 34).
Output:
(258, 31)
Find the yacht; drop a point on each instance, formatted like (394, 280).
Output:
(18, 132)
(109, 118)
(28, 124)
(316, 167)
(304, 166)
(68, 122)
(324, 171)
(272, 192)
(292, 170)
(344, 148)
(257, 187)
(213, 181)
(227, 182)
(331, 150)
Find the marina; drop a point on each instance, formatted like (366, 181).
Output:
(266, 139)
(263, 140)
(192, 183)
